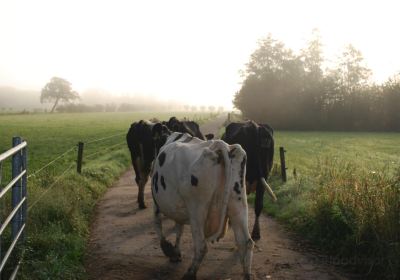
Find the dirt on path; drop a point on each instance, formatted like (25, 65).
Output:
(124, 245)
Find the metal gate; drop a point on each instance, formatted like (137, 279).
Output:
(17, 215)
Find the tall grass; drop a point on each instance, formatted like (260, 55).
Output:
(58, 225)
(351, 212)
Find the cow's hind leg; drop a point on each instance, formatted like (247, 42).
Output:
(177, 251)
(141, 180)
(244, 243)
(199, 243)
(258, 206)
(169, 250)
(142, 184)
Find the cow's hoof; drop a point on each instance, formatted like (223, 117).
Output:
(189, 276)
(142, 206)
(176, 258)
(170, 251)
(247, 276)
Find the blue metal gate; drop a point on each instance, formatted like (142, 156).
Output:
(17, 216)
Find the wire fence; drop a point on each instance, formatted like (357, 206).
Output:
(98, 151)
(50, 187)
(51, 162)
(38, 174)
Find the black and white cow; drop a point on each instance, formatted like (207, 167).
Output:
(201, 183)
(258, 142)
(144, 139)
(189, 127)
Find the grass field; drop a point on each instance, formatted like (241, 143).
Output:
(345, 197)
(369, 151)
(58, 223)
(49, 135)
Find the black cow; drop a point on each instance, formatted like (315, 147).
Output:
(189, 127)
(258, 142)
(144, 140)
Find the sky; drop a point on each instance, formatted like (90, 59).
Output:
(190, 51)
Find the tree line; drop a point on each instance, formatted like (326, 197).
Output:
(59, 90)
(293, 91)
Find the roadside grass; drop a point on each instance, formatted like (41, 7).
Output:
(59, 224)
(345, 196)
(61, 207)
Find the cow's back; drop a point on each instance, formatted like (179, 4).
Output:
(183, 175)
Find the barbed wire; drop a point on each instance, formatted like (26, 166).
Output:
(104, 138)
(49, 188)
(51, 162)
(71, 149)
(108, 148)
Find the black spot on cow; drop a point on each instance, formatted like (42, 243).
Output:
(163, 183)
(236, 188)
(194, 180)
(178, 137)
(209, 136)
(161, 158)
(241, 173)
(155, 182)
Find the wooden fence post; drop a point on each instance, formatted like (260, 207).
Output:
(80, 157)
(283, 163)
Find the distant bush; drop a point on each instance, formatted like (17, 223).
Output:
(79, 108)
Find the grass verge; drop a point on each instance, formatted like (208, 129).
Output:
(58, 226)
(352, 213)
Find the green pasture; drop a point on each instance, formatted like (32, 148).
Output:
(369, 151)
(344, 196)
(49, 135)
(60, 201)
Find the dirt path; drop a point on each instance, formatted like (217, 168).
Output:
(124, 245)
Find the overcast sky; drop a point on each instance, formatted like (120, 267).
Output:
(186, 50)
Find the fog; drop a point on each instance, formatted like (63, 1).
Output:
(16, 100)
(180, 52)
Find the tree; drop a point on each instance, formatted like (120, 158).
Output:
(353, 73)
(313, 58)
(58, 90)
(391, 95)
(273, 80)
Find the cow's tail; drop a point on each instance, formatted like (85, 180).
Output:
(222, 149)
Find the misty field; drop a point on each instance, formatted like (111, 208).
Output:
(344, 197)
(60, 202)
(367, 150)
(49, 135)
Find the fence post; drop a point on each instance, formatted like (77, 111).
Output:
(80, 157)
(16, 189)
(283, 163)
